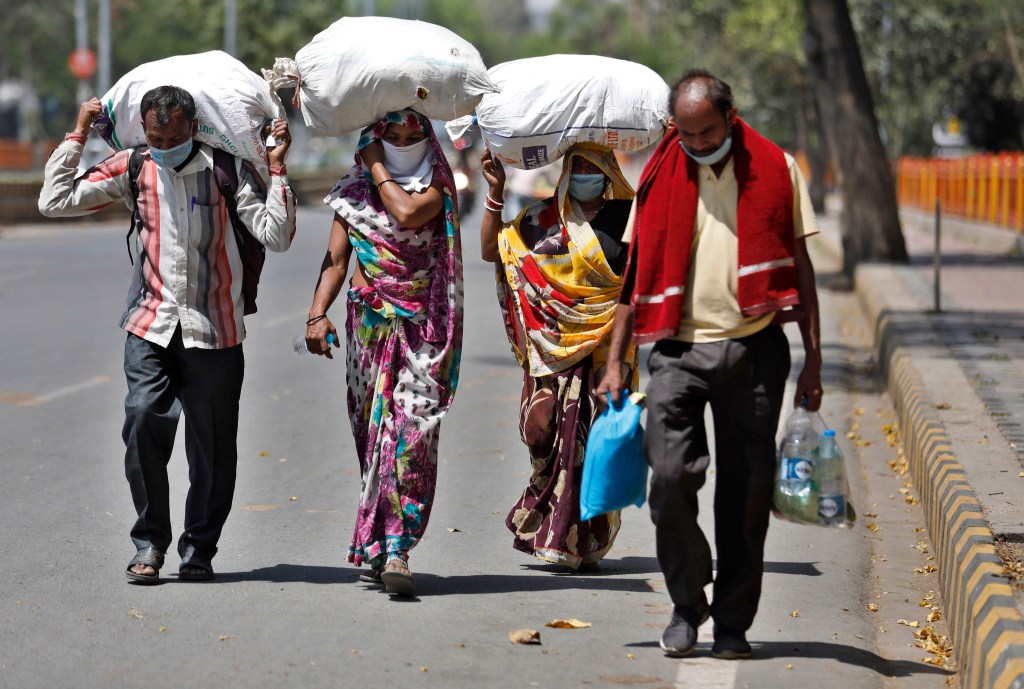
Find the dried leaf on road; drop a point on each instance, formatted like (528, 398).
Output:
(572, 623)
(293, 498)
(136, 613)
(907, 623)
(454, 530)
(873, 607)
(795, 613)
(934, 616)
(225, 637)
(264, 454)
(943, 405)
(524, 636)
(874, 527)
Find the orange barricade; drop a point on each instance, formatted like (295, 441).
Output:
(988, 187)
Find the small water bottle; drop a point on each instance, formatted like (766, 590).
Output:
(831, 481)
(299, 343)
(796, 492)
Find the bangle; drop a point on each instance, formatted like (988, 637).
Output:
(491, 208)
(499, 204)
(314, 319)
(385, 181)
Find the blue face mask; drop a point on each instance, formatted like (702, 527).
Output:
(586, 187)
(171, 157)
(711, 158)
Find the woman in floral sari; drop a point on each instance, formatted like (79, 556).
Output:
(396, 210)
(559, 277)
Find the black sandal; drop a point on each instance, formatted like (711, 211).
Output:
(196, 562)
(150, 557)
(371, 577)
(396, 581)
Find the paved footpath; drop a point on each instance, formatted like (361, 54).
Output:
(956, 375)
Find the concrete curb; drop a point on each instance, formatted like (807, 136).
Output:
(986, 626)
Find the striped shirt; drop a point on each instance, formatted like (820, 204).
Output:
(188, 269)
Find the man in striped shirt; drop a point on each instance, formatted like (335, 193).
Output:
(184, 312)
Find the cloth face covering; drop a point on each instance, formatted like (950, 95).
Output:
(410, 166)
(171, 157)
(712, 158)
(585, 187)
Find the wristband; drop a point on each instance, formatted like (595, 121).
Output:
(314, 319)
(385, 181)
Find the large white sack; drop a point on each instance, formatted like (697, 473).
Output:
(361, 68)
(232, 102)
(549, 103)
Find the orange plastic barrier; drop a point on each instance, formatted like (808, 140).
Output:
(988, 187)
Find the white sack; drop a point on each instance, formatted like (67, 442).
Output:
(232, 103)
(361, 68)
(549, 103)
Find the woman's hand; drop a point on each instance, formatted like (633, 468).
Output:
(494, 174)
(316, 337)
(372, 154)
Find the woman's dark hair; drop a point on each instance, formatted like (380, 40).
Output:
(708, 85)
(164, 100)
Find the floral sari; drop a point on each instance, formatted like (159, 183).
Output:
(404, 342)
(558, 296)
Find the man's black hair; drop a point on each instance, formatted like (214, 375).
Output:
(710, 86)
(164, 100)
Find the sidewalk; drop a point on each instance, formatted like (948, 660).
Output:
(957, 380)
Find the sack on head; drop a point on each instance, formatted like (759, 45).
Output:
(547, 104)
(361, 68)
(232, 103)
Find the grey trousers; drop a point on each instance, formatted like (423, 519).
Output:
(206, 384)
(743, 381)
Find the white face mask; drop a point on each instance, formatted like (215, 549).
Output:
(411, 166)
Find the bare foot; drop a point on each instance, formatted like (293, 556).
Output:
(144, 570)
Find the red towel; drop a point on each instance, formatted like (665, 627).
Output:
(663, 230)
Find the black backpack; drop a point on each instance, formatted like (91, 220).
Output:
(253, 253)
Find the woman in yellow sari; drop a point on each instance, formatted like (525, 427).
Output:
(559, 275)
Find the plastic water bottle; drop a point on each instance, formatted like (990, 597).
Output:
(796, 492)
(299, 343)
(831, 481)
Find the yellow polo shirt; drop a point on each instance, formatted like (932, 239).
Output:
(711, 312)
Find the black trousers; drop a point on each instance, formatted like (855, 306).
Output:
(743, 381)
(206, 384)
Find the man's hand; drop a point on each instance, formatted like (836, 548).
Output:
(316, 337)
(494, 174)
(809, 385)
(89, 111)
(283, 138)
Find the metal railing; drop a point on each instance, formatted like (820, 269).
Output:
(987, 187)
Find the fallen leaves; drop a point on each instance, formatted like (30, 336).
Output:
(873, 527)
(454, 530)
(795, 613)
(934, 616)
(943, 405)
(571, 623)
(136, 613)
(927, 569)
(225, 637)
(937, 645)
(873, 607)
(293, 498)
(907, 623)
(524, 636)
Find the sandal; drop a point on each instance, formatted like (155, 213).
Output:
(195, 562)
(150, 557)
(397, 578)
(371, 577)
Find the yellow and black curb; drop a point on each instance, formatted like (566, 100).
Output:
(985, 624)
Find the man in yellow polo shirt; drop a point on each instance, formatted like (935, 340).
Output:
(717, 265)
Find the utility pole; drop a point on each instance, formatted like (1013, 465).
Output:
(103, 83)
(230, 27)
(82, 43)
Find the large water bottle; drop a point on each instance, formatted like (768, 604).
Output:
(299, 343)
(831, 478)
(796, 493)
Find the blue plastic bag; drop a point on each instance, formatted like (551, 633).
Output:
(614, 469)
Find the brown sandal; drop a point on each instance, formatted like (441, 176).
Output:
(397, 578)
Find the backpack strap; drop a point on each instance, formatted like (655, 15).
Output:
(135, 161)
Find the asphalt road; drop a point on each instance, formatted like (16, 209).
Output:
(287, 610)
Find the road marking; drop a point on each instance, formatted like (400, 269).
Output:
(706, 672)
(29, 401)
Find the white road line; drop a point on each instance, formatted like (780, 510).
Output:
(64, 392)
(706, 672)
